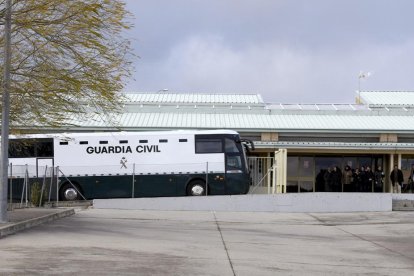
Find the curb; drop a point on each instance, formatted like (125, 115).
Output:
(19, 226)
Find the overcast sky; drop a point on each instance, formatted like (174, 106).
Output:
(289, 51)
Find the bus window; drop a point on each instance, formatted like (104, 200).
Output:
(29, 148)
(44, 149)
(230, 145)
(234, 162)
(21, 148)
(208, 146)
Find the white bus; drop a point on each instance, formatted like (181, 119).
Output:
(135, 164)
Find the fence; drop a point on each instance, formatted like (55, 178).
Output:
(268, 174)
(30, 184)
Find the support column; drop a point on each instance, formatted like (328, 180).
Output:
(399, 161)
(280, 176)
(268, 167)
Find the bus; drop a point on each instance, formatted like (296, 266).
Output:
(135, 164)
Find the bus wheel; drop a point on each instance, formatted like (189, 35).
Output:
(68, 192)
(196, 188)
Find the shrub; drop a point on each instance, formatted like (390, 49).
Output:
(36, 194)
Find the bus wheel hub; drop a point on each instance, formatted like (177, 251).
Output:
(71, 194)
(197, 190)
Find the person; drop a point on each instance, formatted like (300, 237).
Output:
(328, 176)
(397, 179)
(357, 179)
(363, 179)
(347, 179)
(379, 176)
(336, 179)
(369, 179)
(320, 181)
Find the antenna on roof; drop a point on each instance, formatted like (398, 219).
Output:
(362, 75)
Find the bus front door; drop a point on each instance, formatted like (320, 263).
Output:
(237, 181)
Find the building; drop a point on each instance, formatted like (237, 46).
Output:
(310, 137)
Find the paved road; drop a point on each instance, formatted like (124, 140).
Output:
(125, 242)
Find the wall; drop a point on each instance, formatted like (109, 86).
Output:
(289, 203)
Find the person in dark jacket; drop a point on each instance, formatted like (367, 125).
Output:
(320, 181)
(336, 179)
(397, 179)
(379, 176)
(328, 176)
(369, 179)
(363, 176)
(357, 179)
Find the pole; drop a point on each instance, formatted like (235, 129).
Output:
(5, 115)
(133, 181)
(27, 183)
(57, 186)
(11, 187)
(206, 178)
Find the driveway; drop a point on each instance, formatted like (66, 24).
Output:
(127, 242)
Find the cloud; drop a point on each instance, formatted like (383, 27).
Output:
(279, 72)
(287, 50)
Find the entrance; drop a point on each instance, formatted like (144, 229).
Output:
(323, 173)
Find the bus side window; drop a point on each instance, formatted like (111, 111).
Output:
(44, 149)
(21, 148)
(204, 145)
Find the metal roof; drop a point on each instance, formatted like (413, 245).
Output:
(250, 122)
(387, 98)
(336, 145)
(181, 98)
(248, 113)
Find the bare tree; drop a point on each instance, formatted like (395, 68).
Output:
(68, 57)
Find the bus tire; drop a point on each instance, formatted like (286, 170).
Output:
(196, 188)
(68, 193)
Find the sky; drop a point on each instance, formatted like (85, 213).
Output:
(289, 51)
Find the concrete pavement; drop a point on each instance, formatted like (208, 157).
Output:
(131, 242)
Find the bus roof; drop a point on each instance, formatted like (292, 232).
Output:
(124, 133)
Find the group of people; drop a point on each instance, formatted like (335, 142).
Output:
(362, 179)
